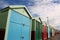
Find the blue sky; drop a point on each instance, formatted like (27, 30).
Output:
(4, 3)
(42, 8)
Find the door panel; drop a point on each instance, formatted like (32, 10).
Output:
(14, 31)
(26, 33)
(26, 28)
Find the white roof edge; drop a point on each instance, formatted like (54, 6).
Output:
(36, 18)
(16, 6)
(28, 11)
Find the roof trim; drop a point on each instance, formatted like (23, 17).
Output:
(38, 19)
(17, 7)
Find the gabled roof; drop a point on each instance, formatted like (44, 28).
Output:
(38, 19)
(17, 7)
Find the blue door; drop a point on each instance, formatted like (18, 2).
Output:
(19, 27)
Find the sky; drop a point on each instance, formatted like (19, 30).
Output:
(42, 8)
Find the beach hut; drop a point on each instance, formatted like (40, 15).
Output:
(49, 32)
(45, 32)
(36, 29)
(15, 23)
(53, 32)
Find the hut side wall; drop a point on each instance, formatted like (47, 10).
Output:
(3, 20)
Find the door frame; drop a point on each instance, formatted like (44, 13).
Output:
(7, 25)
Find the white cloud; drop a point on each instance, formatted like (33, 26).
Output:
(46, 8)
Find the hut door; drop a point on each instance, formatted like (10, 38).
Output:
(25, 28)
(19, 27)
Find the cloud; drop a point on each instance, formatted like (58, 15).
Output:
(3, 4)
(42, 10)
(46, 8)
(56, 1)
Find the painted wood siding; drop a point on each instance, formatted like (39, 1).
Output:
(3, 19)
(38, 31)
